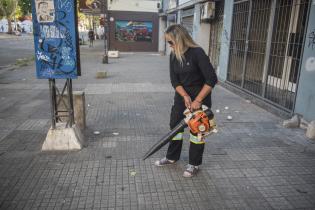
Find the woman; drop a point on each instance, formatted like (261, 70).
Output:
(193, 78)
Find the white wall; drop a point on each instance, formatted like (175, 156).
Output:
(201, 30)
(27, 25)
(3, 25)
(133, 5)
(172, 4)
(202, 37)
(180, 2)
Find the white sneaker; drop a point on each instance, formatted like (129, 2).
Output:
(164, 161)
(190, 171)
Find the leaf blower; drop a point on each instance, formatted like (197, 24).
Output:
(201, 123)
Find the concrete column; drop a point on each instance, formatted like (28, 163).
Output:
(79, 108)
(305, 101)
(196, 21)
(225, 41)
(203, 36)
(179, 17)
(168, 49)
(162, 28)
(63, 139)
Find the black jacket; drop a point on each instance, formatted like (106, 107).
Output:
(196, 69)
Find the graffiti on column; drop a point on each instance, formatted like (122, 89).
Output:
(311, 38)
(56, 47)
(226, 35)
(310, 64)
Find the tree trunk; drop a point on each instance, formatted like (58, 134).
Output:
(9, 25)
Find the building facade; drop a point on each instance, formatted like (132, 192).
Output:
(263, 49)
(133, 25)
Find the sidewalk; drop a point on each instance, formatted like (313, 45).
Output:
(5, 36)
(252, 163)
(13, 48)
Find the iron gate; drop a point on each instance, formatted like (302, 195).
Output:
(265, 48)
(215, 34)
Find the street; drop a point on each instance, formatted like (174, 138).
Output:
(14, 47)
(251, 163)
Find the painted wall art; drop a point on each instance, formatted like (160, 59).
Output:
(90, 6)
(56, 39)
(45, 11)
(133, 31)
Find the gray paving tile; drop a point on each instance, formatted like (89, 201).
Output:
(34, 124)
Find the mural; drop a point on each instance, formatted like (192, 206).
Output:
(45, 11)
(55, 39)
(133, 31)
(90, 6)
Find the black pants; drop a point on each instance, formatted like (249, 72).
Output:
(175, 146)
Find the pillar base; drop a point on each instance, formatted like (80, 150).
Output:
(63, 139)
(105, 59)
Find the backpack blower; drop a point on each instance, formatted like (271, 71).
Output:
(201, 123)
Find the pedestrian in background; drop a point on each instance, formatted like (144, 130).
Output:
(91, 37)
(193, 79)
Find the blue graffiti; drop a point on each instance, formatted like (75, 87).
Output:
(311, 38)
(55, 44)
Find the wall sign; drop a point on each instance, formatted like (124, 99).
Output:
(133, 31)
(56, 39)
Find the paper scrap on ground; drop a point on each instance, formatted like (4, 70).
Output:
(133, 173)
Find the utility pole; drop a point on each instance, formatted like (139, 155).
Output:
(106, 31)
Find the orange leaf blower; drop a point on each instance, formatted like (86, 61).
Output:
(200, 123)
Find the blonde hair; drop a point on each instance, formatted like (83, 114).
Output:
(181, 39)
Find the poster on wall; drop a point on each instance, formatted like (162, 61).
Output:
(56, 39)
(133, 31)
(45, 11)
(90, 6)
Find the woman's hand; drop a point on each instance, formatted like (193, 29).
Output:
(187, 101)
(195, 105)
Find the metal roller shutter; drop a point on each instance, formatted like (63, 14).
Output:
(188, 23)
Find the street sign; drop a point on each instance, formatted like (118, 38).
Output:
(56, 40)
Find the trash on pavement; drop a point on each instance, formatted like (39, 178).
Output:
(96, 132)
(133, 173)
